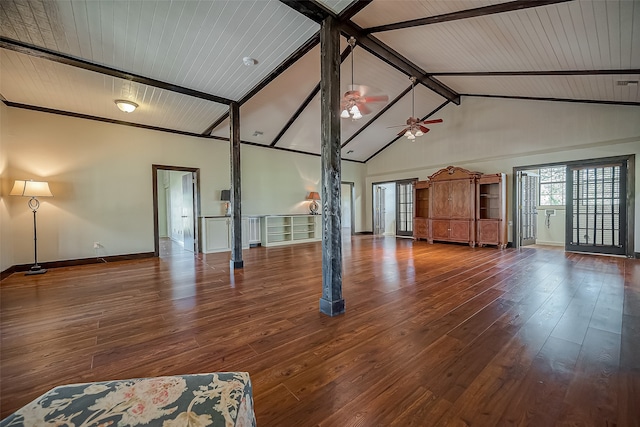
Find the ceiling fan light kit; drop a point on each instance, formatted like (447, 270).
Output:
(355, 99)
(415, 126)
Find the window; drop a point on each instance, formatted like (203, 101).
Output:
(552, 186)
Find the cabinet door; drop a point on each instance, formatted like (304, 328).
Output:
(440, 229)
(488, 232)
(460, 230)
(440, 200)
(420, 228)
(461, 199)
(218, 235)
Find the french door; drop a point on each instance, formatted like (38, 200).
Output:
(528, 202)
(404, 208)
(596, 208)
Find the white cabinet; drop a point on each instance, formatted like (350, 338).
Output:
(216, 234)
(287, 229)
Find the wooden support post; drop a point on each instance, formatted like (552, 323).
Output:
(236, 211)
(331, 302)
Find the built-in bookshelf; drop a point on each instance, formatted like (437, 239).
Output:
(491, 210)
(288, 229)
(421, 213)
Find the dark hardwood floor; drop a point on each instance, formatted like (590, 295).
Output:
(433, 335)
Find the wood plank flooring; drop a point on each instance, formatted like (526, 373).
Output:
(433, 335)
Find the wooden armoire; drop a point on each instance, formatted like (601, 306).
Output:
(457, 205)
(452, 213)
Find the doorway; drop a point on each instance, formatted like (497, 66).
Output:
(347, 196)
(176, 207)
(583, 206)
(393, 208)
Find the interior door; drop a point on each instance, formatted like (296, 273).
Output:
(596, 208)
(379, 210)
(404, 208)
(188, 220)
(528, 213)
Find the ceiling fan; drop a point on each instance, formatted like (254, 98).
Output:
(355, 99)
(414, 126)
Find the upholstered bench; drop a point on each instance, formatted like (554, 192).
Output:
(217, 399)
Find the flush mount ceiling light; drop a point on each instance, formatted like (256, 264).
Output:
(126, 106)
(248, 61)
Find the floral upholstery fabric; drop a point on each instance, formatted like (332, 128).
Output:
(218, 399)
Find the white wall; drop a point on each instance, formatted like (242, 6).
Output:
(495, 135)
(554, 233)
(101, 177)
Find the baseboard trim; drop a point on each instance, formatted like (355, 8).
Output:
(75, 262)
(8, 272)
(358, 233)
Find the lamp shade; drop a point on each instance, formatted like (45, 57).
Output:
(31, 189)
(313, 195)
(225, 195)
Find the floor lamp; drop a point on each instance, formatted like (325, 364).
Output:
(33, 189)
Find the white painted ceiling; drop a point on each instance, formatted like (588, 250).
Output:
(198, 47)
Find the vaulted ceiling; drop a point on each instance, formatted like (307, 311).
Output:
(182, 61)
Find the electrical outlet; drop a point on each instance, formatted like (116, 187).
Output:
(96, 245)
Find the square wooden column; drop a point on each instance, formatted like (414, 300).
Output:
(331, 302)
(236, 204)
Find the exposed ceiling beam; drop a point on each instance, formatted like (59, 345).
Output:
(292, 59)
(311, 9)
(305, 103)
(215, 124)
(156, 128)
(295, 115)
(353, 9)
(61, 58)
(295, 56)
(464, 14)
(540, 73)
(579, 101)
(441, 106)
(393, 58)
(96, 118)
(315, 11)
(380, 113)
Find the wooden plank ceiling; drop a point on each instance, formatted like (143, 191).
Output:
(182, 62)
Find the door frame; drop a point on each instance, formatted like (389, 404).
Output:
(411, 183)
(630, 190)
(352, 191)
(373, 186)
(196, 204)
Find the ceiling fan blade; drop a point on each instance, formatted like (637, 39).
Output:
(377, 98)
(397, 126)
(363, 108)
(424, 129)
(403, 131)
(428, 122)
